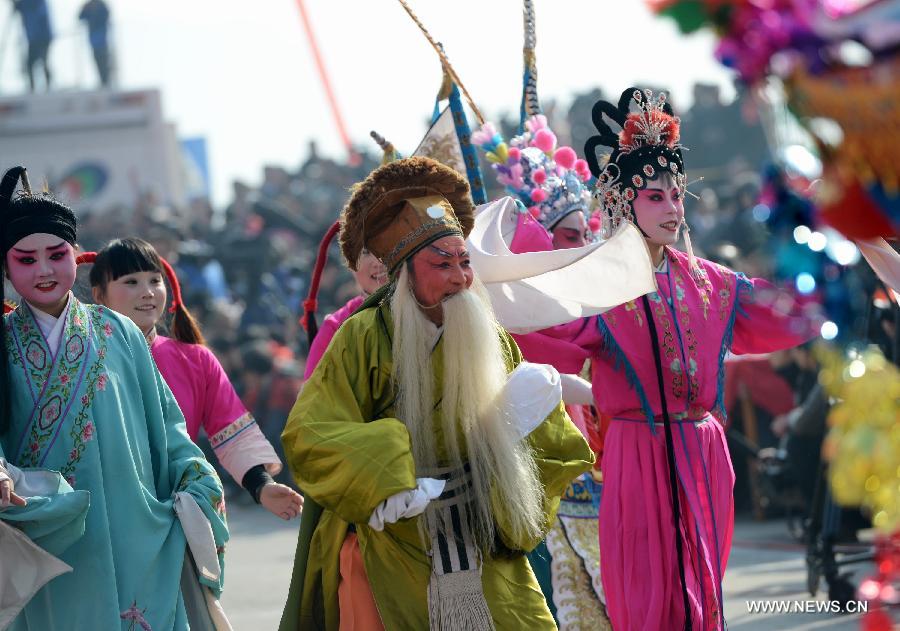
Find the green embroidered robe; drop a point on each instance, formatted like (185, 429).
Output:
(349, 452)
(99, 413)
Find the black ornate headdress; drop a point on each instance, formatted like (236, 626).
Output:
(646, 147)
(21, 216)
(29, 212)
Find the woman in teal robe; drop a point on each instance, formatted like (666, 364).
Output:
(98, 412)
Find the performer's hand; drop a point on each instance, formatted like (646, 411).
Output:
(280, 500)
(7, 496)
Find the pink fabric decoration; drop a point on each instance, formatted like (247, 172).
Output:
(516, 179)
(530, 235)
(514, 154)
(536, 122)
(582, 170)
(484, 135)
(539, 177)
(538, 195)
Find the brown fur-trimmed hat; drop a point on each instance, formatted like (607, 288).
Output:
(403, 206)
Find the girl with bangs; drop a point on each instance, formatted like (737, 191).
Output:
(128, 277)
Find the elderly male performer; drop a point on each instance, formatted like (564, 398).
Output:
(437, 454)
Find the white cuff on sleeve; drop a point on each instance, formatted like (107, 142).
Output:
(244, 451)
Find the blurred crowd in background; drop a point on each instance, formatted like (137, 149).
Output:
(753, 206)
(245, 268)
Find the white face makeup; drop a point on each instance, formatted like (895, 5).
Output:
(570, 232)
(659, 211)
(41, 268)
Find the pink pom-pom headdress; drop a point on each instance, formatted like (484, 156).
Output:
(549, 180)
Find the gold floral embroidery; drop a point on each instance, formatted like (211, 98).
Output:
(725, 298)
(638, 317)
(661, 314)
(574, 550)
(705, 287)
(689, 338)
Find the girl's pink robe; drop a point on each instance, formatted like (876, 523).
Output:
(208, 400)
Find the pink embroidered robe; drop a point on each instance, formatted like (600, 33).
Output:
(698, 321)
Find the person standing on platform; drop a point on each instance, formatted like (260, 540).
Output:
(39, 34)
(96, 14)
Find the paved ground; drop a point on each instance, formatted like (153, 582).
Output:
(764, 565)
(259, 560)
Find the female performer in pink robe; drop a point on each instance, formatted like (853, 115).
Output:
(127, 276)
(657, 372)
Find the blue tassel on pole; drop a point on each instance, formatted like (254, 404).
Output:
(464, 134)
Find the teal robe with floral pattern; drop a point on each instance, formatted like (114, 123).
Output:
(99, 413)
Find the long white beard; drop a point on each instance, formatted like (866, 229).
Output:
(474, 373)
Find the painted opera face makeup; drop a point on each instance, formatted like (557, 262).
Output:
(659, 211)
(570, 232)
(41, 268)
(439, 271)
(141, 296)
(370, 273)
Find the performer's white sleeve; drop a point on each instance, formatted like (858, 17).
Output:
(531, 393)
(576, 391)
